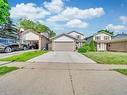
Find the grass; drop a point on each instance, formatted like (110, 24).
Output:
(5, 69)
(24, 56)
(108, 57)
(122, 71)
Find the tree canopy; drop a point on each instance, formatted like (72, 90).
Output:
(7, 29)
(35, 26)
(4, 12)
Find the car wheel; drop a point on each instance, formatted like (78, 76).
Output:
(24, 48)
(8, 49)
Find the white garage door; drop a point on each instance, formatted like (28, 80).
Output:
(63, 46)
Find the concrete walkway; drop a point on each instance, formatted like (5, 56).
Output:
(62, 57)
(63, 79)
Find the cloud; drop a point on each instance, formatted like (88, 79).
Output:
(76, 23)
(123, 19)
(75, 13)
(55, 12)
(55, 6)
(29, 10)
(116, 27)
(57, 18)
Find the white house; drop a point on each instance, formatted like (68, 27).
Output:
(67, 42)
(39, 40)
(64, 42)
(78, 36)
(101, 39)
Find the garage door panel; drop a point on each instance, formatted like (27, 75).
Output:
(64, 46)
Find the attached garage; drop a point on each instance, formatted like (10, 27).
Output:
(34, 39)
(63, 42)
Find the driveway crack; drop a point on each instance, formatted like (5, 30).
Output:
(71, 79)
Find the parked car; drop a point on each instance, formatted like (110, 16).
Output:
(9, 45)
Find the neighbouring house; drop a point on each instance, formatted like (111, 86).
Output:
(118, 43)
(40, 40)
(79, 36)
(67, 42)
(100, 39)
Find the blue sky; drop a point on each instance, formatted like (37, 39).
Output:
(86, 16)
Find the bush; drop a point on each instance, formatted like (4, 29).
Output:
(84, 48)
(92, 46)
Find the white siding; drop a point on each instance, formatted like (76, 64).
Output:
(101, 47)
(102, 36)
(30, 36)
(64, 39)
(74, 34)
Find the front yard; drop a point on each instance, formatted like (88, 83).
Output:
(122, 71)
(24, 56)
(5, 69)
(108, 57)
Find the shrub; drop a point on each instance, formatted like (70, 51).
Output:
(92, 46)
(84, 48)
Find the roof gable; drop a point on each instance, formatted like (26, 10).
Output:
(76, 33)
(35, 33)
(64, 37)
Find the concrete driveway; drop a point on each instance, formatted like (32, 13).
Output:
(63, 79)
(62, 57)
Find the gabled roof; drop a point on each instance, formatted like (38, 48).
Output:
(96, 34)
(104, 33)
(75, 32)
(63, 34)
(26, 31)
(119, 38)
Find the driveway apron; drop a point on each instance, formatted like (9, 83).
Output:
(62, 57)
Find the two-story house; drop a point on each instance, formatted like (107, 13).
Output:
(101, 39)
(79, 36)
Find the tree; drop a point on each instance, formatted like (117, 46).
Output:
(7, 29)
(52, 34)
(35, 26)
(92, 46)
(4, 12)
(27, 24)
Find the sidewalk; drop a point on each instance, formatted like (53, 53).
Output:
(63, 79)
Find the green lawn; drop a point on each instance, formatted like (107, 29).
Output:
(123, 71)
(24, 56)
(108, 57)
(4, 69)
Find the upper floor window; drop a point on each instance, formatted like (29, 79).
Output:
(106, 37)
(78, 36)
(98, 38)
